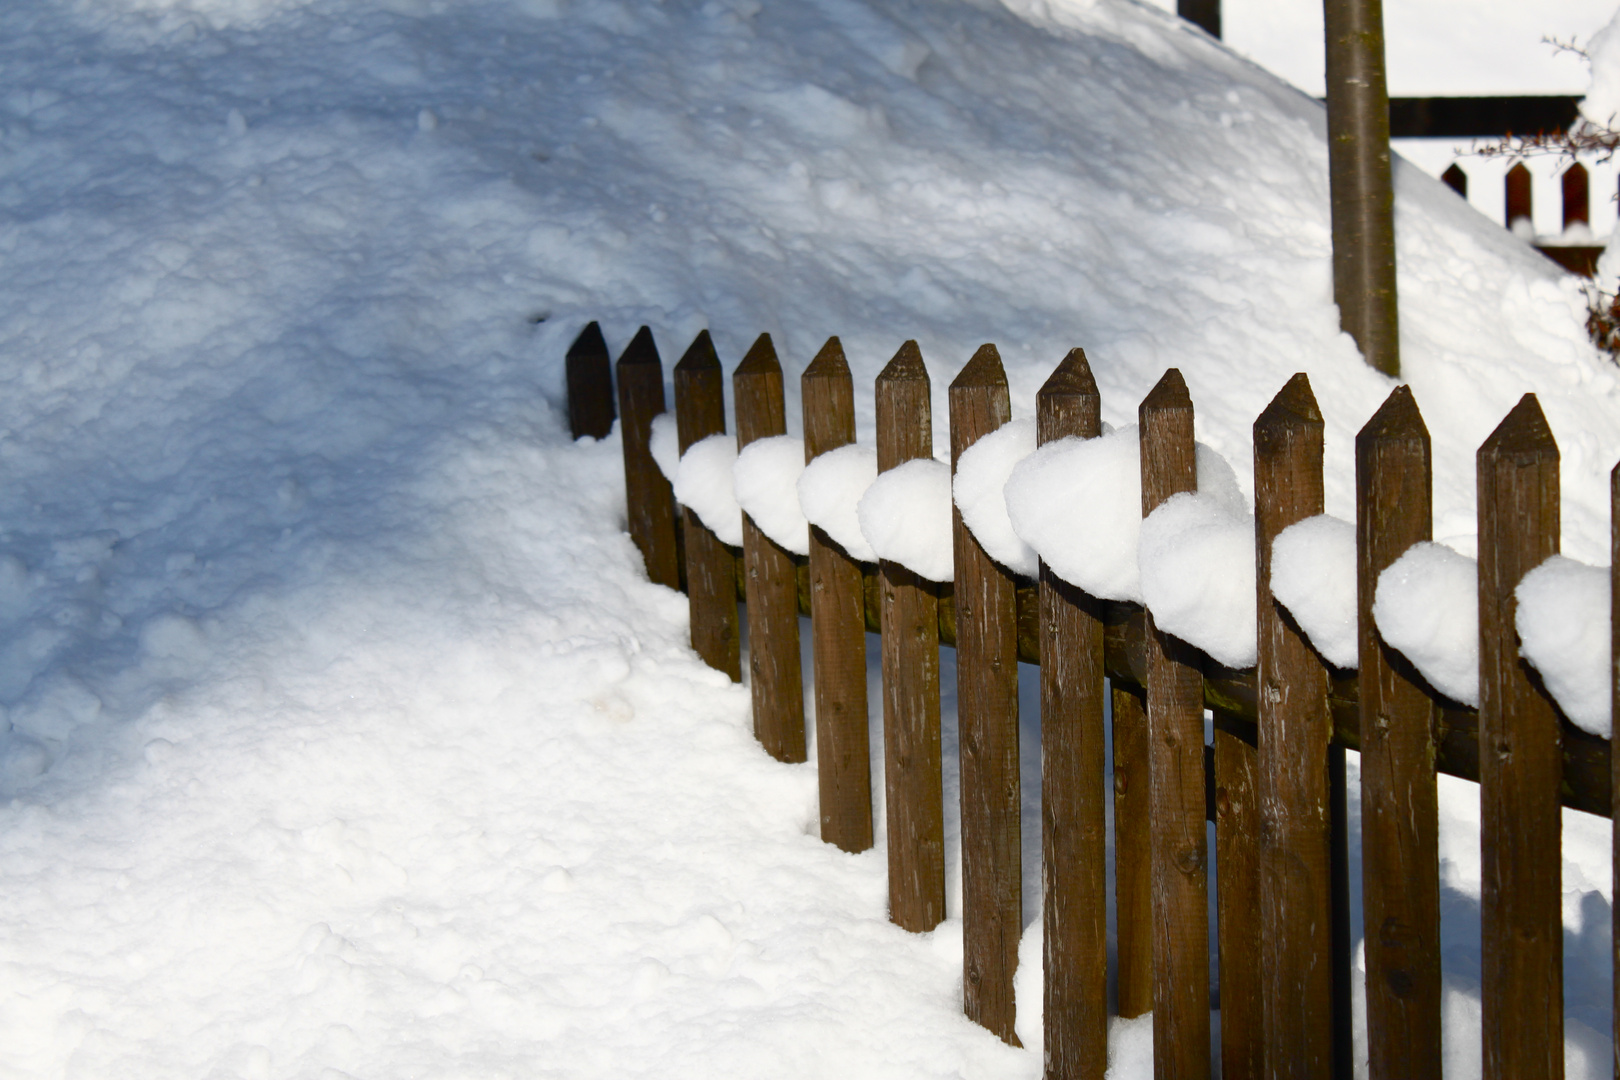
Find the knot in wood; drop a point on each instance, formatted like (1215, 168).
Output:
(1190, 860)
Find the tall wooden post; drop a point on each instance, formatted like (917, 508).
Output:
(1363, 198)
(837, 623)
(770, 577)
(1175, 712)
(1295, 730)
(1074, 831)
(908, 610)
(1400, 824)
(1520, 763)
(711, 567)
(987, 714)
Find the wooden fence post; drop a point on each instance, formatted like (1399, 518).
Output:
(1295, 730)
(776, 684)
(649, 501)
(1175, 712)
(837, 624)
(908, 613)
(1074, 828)
(1400, 868)
(1520, 762)
(711, 567)
(590, 385)
(1237, 897)
(1133, 862)
(987, 715)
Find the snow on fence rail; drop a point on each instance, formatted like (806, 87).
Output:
(1272, 782)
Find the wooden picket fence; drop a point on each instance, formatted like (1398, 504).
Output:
(1273, 782)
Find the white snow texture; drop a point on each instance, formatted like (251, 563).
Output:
(830, 490)
(1427, 606)
(1197, 565)
(1078, 504)
(766, 478)
(664, 443)
(703, 483)
(906, 518)
(1563, 624)
(345, 735)
(979, 490)
(1313, 575)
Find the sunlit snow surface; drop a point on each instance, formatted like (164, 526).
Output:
(345, 731)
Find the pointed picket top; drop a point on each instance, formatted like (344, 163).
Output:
(1072, 378)
(641, 349)
(907, 366)
(1397, 418)
(1068, 403)
(1170, 392)
(699, 355)
(1294, 404)
(760, 359)
(829, 362)
(1524, 432)
(1294, 409)
(983, 370)
(589, 343)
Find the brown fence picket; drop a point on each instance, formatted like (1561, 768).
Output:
(837, 624)
(1237, 896)
(1133, 852)
(1073, 810)
(1175, 714)
(649, 501)
(1400, 869)
(711, 566)
(1295, 730)
(590, 384)
(1520, 762)
(987, 719)
(908, 612)
(771, 584)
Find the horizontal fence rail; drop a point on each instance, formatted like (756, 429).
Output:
(1272, 782)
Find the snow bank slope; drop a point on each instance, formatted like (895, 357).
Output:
(343, 730)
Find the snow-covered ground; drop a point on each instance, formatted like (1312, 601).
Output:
(346, 736)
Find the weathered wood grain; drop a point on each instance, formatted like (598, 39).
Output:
(987, 718)
(908, 608)
(1399, 801)
(711, 566)
(837, 624)
(1520, 759)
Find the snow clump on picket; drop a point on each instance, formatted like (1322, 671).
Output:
(980, 486)
(766, 478)
(830, 489)
(703, 485)
(1197, 564)
(906, 516)
(1427, 606)
(1563, 624)
(1313, 575)
(664, 444)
